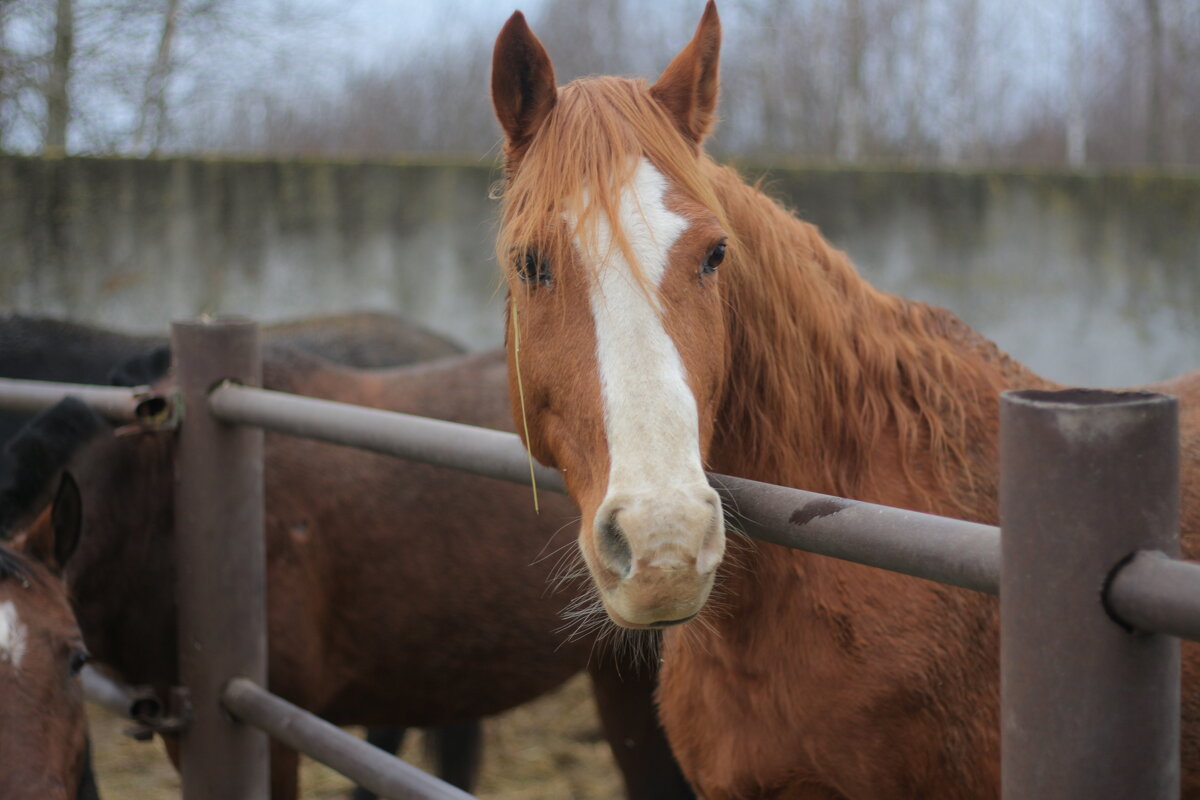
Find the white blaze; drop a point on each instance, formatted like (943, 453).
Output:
(649, 412)
(12, 634)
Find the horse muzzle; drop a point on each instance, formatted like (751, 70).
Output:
(655, 554)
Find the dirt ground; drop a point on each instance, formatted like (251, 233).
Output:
(550, 749)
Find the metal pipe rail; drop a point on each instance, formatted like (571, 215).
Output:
(1086, 479)
(956, 552)
(479, 451)
(927, 546)
(941, 549)
(1152, 592)
(1149, 593)
(1088, 492)
(365, 764)
(137, 703)
(118, 403)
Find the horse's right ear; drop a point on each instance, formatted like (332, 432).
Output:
(523, 87)
(66, 519)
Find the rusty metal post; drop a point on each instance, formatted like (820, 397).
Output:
(1090, 709)
(219, 561)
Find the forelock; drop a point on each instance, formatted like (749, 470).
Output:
(580, 162)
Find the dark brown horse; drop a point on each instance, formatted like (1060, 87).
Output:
(397, 593)
(48, 349)
(670, 319)
(43, 729)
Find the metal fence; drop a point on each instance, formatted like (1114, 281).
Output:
(1092, 594)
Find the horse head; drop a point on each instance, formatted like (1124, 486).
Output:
(611, 242)
(43, 729)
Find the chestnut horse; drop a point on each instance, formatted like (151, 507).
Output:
(665, 318)
(397, 593)
(43, 728)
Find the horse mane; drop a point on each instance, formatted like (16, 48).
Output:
(823, 364)
(578, 162)
(38, 453)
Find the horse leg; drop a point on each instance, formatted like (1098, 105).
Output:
(625, 701)
(285, 772)
(387, 740)
(458, 750)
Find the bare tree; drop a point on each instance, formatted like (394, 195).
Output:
(1156, 129)
(856, 80)
(1076, 92)
(849, 143)
(958, 131)
(153, 110)
(57, 92)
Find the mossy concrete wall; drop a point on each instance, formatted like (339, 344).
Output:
(1089, 278)
(136, 243)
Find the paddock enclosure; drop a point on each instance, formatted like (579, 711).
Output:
(1092, 599)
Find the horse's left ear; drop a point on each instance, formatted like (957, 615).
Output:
(523, 87)
(688, 86)
(66, 519)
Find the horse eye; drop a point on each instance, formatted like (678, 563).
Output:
(78, 658)
(532, 268)
(715, 257)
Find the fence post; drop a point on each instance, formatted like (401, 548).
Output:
(1089, 708)
(219, 558)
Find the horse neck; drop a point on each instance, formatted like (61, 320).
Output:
(837, 387)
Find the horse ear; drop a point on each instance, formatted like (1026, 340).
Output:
(523, 87)
(66, 519)
(688, 86)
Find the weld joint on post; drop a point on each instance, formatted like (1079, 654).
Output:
(1106, 592)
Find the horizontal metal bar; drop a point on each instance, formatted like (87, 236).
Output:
(938, 548)
(363, 763)
(117, 403)
(480, 451)
(137, 703)
(1153, 592)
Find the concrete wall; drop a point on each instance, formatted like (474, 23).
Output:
(1088, 278)
(135, 243)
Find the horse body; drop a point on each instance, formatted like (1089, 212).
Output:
(396, 630)
(807, 677)
(382, 606)
(43, 728)
(886, 659)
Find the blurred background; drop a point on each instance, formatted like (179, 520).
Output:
(1105, 83)
(1031, 164)
(1034, 165)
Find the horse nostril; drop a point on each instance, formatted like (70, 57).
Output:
(613, 547)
